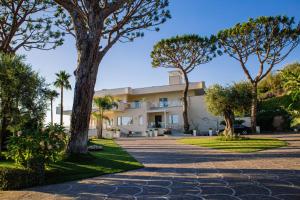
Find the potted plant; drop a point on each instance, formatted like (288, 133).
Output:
(210, 131)
(155, 132)
(150, 133)
(194, 132)
(118, 133)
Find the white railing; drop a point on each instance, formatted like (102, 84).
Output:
(165, 105)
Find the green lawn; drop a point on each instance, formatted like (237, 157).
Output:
(244, 145)
(111, 159)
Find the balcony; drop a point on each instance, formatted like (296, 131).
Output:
(122, 106)
(157, 105)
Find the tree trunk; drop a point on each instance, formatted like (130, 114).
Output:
(100, 124)
(61, 104)
(229, 120)
(254, 107)
(3, 132)
(85, 74)
(186, 125)
(51, 108)
(99, 129)
(4, 125)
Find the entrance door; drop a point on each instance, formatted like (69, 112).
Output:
(158, 120)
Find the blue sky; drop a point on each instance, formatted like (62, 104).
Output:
(129, 64)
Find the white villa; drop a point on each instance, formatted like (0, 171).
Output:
(157, 107)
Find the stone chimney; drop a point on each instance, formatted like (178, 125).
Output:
(175, 77)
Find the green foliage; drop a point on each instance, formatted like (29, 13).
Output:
(183, 52)
(236, 98)
(291, 82)
(270, 39)
(37, 147)
(62, 80)
(265, 118)
(12, 178)
(28, 24)
(265, 41)
(112, 159)
(279, 97)
(270, 86)
(278, 84)
(103, 104)
(23, 100)
(236, 121)
(228, 102)
(51, 94)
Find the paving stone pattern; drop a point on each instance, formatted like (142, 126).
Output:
(177, 171)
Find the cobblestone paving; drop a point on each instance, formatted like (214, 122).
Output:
(177, 171)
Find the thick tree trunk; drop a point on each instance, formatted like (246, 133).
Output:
(85, 74)
(51, 108)
(229, 120)
(61, 105)
(186, 125)
(254, 107)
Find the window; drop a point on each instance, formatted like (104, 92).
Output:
(163, 102)
(173, 119)
(141, 120)
(124, 121)
(136, 104)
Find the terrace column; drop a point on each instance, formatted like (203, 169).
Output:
(165, 115)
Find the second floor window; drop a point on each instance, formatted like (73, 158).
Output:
(136, 104)
(163, 102)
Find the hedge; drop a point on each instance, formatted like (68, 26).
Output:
(12, 178)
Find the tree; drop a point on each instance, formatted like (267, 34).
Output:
(270, 86)
(228, 102)
(291, 82)
(184, 53)
(28, 24)
(97, 25)
(268, 40)
(273, 85)
(22, 98)
(51, 95)
(62, 82)
(103, 104)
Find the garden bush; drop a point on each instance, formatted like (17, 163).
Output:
(32, 149)
(12, 178)
(265, 119)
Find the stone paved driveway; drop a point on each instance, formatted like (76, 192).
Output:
(176, 171)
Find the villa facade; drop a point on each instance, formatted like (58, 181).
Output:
(157, 107)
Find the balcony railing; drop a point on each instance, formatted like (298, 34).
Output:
(165, 104)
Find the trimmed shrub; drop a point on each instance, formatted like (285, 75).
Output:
(12, 179)
(265, 119)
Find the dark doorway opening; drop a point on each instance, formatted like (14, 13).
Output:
(158, 120)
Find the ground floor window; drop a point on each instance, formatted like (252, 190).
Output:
(173, 119)
(124, 121)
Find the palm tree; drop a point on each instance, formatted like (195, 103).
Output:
(62, 82)
(51, 95)
(103, 104)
